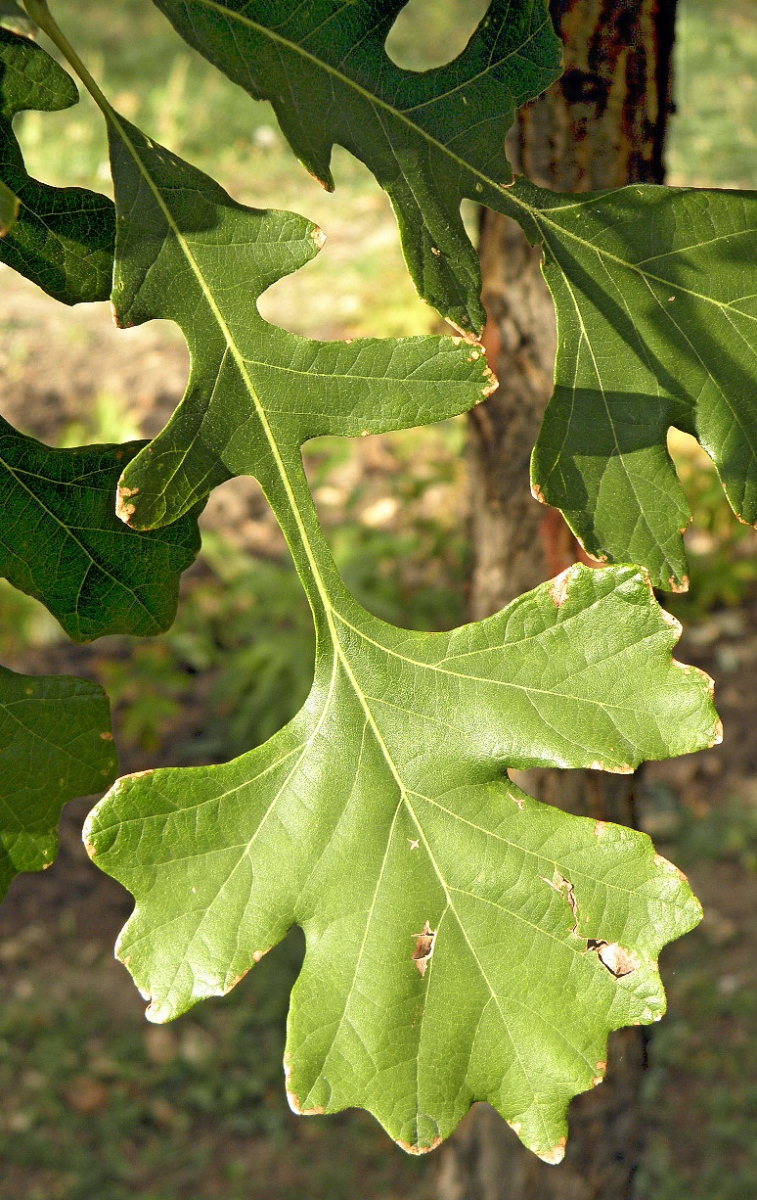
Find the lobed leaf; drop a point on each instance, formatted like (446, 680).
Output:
(437, 900)
(652, 286)
(464, 942)
(55, 745)
(189, 253)
(430, 138)
(63, 237)
(61, 542)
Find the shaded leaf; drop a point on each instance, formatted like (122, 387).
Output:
(653, 287)
(63, 238)
(430, 138)
(8, 209)
(657, 317)
(458, 932)
(61, 542)
(12, 16)
(55, 745)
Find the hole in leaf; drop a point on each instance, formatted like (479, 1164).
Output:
(428, 34)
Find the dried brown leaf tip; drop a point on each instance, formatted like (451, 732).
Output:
(424, 948)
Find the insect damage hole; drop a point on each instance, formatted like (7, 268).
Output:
(424, 948)
(613, 957)
(421, 38)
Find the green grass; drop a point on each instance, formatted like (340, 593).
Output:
(713, 137)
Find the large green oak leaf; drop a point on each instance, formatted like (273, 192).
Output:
(63, 237)
(653, 286)
(464, 942)
(460, 943)
(61, 541)
(431, 138)
(55, 745)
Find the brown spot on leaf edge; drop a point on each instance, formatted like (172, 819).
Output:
(410, 1149)
(555, 1155)
(558, 589)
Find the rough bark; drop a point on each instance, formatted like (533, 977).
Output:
(602, 125)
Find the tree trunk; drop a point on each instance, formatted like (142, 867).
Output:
(602, 125)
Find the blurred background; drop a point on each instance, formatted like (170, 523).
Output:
(94, 1102)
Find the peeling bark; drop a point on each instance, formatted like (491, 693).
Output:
(602, 125)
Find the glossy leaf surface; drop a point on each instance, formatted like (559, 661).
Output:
(55, 745)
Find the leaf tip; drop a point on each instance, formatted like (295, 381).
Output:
(555, 1155)
(294, 1104)
(410, 1148)
(678, 585)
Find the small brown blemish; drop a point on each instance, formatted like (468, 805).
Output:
(409, 1149)
(258, 954)
(597, 1080)
(125, 511)
(601, 1065)
(717, 736)
(602, 558)
(599, 828)
(424, 948)
(89, 847)
(558, 589)
(565, 888)
(436, 252)
(555, 1155)
(237, 979)
(613, 957)
(667, 865)
(491, 385)
(670, 620)
(537, 493)
(106, 736)
(623, 769)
